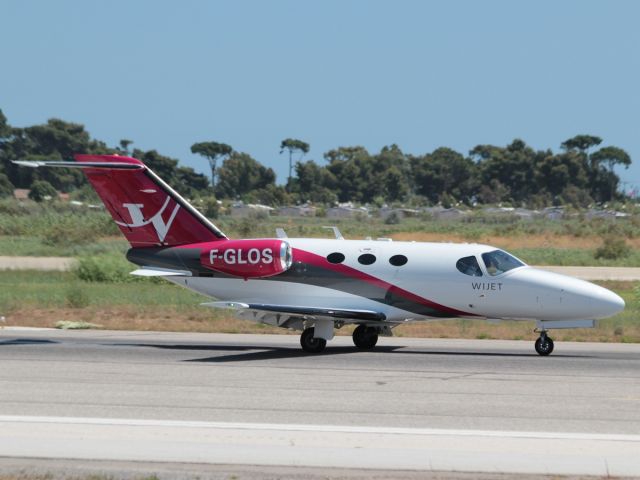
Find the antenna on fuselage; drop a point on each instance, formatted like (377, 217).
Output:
(336, 232)
(280, 233)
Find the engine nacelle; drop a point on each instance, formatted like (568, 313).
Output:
(248, 258)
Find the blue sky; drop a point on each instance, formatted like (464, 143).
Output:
(333, 73)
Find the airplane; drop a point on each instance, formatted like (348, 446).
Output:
(319, 285)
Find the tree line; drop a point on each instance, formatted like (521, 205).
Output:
(580, 174)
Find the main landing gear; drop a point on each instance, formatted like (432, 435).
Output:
(365, 338)
(309, 343)
(544, 344)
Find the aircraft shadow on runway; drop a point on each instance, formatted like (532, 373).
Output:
(260, 352)
(244, 353)
(26, 341)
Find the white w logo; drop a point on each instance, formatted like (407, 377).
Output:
(137, 218)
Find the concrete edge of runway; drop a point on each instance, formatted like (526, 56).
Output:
(62, 469)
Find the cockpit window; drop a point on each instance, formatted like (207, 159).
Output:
(469, 266)
(498, 262)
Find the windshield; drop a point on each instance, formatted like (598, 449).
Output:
(498, 262)
(469, 266)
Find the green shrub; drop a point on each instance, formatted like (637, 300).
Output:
(392, 219)
(104, 268)
(76, 296)
(613, 248)
(61, 234)
(247, 227)
(6, 187)
(76, 229)
(210, 207)
(86, 193)
(42, 190)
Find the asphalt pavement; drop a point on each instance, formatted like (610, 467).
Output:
(409, 405)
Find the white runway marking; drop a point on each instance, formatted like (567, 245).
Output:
(319, 445)
(319, 428)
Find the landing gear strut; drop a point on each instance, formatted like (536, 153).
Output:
(365, 337)
(544, 344)
(309, 343)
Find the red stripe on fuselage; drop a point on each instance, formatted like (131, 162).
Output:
(320, 261)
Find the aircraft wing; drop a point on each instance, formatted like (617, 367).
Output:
(291, 310)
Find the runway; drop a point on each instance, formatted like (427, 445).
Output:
(413, 404)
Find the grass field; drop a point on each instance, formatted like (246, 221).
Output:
(36, 299)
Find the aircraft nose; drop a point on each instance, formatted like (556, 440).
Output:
(559, 297)
(606, 303)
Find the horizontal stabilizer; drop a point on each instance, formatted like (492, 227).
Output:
(160, 272)
(342, 313)
(52, 163)
(230, 305)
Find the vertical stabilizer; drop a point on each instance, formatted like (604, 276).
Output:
(147, 211)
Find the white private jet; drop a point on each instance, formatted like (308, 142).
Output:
(318, 285)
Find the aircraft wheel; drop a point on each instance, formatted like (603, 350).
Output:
(365, 337)
(310, 344)
(544, 345)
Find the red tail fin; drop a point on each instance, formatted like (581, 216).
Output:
(147, 210)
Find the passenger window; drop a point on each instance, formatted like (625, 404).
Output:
(335, 257)
(398, 260)
(469, 266)
(498, 262)
(367, 259)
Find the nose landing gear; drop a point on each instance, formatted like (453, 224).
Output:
(544, 344)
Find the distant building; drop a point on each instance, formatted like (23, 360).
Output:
(441, 213)
(242, 210)
(553, 213)
(608, 214)
(521, 213)
(452, 214)
(21, 194)
(297, 211)
(525, 213)
(385, 212)
(433, 211)
(346, 211)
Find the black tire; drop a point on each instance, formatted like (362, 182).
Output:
(544, 346)
(365, 338)
(310, 344)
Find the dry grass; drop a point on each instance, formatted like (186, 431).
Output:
(606, 331)
(198, 319)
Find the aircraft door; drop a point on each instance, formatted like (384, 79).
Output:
(480, 288)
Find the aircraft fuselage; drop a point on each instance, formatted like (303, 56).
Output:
(428, 285)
